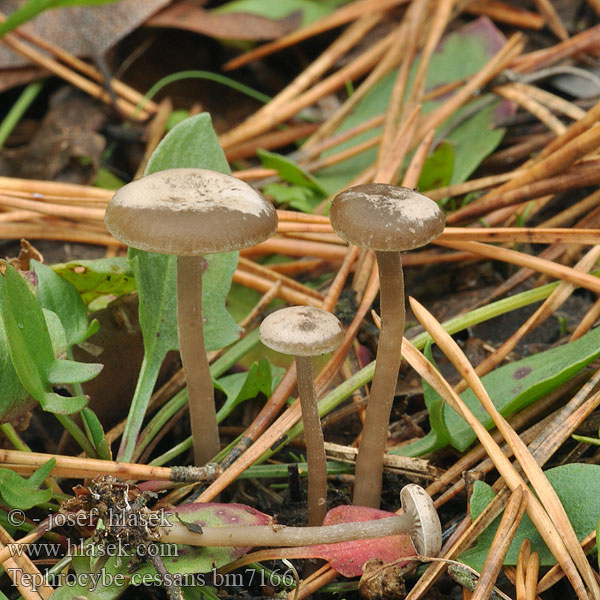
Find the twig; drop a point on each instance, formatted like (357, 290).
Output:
(513, 513)
(339, 17)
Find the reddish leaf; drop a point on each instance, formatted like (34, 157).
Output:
(348, 558)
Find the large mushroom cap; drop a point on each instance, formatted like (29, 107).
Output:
(385, 217)
(188, 212)
(427, 529)
(301, 331)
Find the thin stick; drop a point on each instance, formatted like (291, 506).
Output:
(525, 260)
(76, 467)
(91, 88)
(534, 184)
(534, 509)
(513, 513)
(531, 575)
(128, 93)
(25, 574)
(392, 161)
(558, 297)
(531, 468)
(552, 18)
(261, 284)
(505, 13)
(520, 571)
(413, 172)
(271, 118)
(514, 94)
(341, 16)
(555, 573)
(498, 62)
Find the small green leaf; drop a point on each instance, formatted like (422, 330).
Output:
(438, 168)
(95, 433)
(191, 143)
(261, 377)
(31, 350)
(295, 196)
(290, 171)
(577, 487)
(99, 277)
(107, 180)
(59, 296)
(311, 10)
(434, 403)
(22, 493)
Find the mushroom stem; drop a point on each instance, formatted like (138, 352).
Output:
(203, 416)
(369, 462)
(282, 536)
(315, 447)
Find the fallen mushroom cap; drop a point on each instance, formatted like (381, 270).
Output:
(189, 212)
(386, 217)
(427, 532)
(301, 331)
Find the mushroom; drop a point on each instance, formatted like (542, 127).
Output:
(305, 331)
(389, 220)
(419, 519)
(191, 212)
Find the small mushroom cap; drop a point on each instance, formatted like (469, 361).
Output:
(427, 531)
(301, 331)
(386, 217)
(189, 212)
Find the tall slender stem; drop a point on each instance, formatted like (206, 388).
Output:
(203, 416)
(282, 536)
(315, 447)
(369, 462)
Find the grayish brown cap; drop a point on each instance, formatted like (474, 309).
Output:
(188, 212)
(301, 331)
(427, 529)
(386, 217)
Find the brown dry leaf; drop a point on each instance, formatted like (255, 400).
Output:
(10, 78)
(232, 26)
(65, 147)
(82, 30)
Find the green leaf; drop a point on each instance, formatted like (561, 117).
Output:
(191, 143)
(14, 397)
(95, 433)
(107, 180)
(512, 387)
(311, 10)
(59, 296)
(31, 350)
(577, 488)
(290, 171)
(22, 493)
(98, 277)
(179, 560)
(110, 584)
(34, 7)
(438, 168)
(261, 377)
(434, 403)
(220, 329)
(295, 196)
